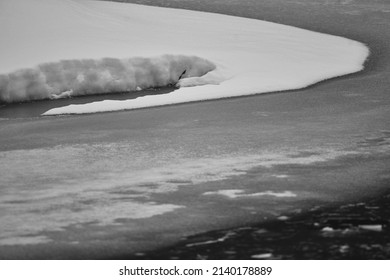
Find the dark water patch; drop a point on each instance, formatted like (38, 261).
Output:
(381, 139)
(125, 192)
(178, 181)
(358, 230)
(305, 154)
(37, 108)
(16, 201)
(88, 201)
(148, 185)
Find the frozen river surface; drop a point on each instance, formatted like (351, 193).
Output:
(105, 185)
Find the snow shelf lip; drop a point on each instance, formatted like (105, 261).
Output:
(251, 56)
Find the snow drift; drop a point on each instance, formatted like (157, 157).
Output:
(56, 48)
(88, 76)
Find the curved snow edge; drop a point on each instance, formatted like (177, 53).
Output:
(211, 86)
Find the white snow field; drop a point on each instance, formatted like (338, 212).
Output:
(60, 48)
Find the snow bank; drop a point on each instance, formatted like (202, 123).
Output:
(89, 76)
(250, 56)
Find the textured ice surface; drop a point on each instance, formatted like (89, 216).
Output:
(98, 185)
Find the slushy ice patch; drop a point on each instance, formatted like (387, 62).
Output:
(93, 76)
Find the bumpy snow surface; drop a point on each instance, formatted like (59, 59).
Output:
(60, 48)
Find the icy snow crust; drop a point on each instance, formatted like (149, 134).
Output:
(86, 46)
(92, 76)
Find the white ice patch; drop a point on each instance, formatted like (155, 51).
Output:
(262, 256)
(251, 56)
(213, 241)
(242, 194)
(21, 221)
(280, 176)
(23, 240)
(371, 227)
